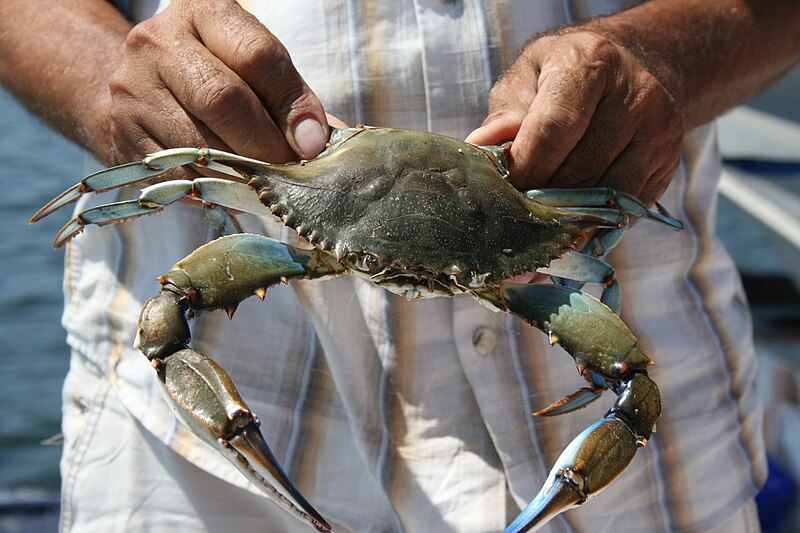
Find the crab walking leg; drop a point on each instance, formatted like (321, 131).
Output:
(605, 203)
(613, 206)
(221, 220)
(600, 196)
(220, 275)
(152, 199)
(608, 355)
(149, 167)
(583, 268)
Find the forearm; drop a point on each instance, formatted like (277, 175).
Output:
(709, 55)
(57, 56)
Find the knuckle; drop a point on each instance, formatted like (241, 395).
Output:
(220, 7)
(119, 85)
(220, 97)
(673, 123)
(265, 58)
(559, 120)
(671, 158)
(601, 57)
(287, 90)
(600, 47)
(656, 186)
(585, 47)
(124, 111)
(260, 55)
(671, 170)
(672, 134)
(120, 116)
(638, 168)
(497, 93)
(128, 142)
(503, 97)
(650, 92)
(143, 36)
(288, 102)
(140, 146)
(294, 104)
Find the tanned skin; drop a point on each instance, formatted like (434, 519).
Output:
(605, 102)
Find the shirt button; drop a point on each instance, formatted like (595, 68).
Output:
(484, 341)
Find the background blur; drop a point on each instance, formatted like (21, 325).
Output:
(37, 164)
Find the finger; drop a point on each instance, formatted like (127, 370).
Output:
(647, 164)
(641, 172)
(657, 184)
(129, 139)
(146, 117)
(138, 130)
(497, 129)
(261, 60)
(221, 100)
(509, 101)
(603, 141)
(557, 119)
(133, 143)
(165, 51)
(163, 117)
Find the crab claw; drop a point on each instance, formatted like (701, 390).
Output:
(219, 275)
(597, 456)
(590, 462)
(204, 398)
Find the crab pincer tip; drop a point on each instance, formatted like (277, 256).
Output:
(67, 232)
(65, 198)
(556, 496)
(266, 472)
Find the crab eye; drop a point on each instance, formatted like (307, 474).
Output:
(478, 280)
(453, 270)
(364, 262)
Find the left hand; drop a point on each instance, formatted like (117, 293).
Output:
(583, 111)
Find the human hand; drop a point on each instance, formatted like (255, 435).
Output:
(583, 111)
(209, 74)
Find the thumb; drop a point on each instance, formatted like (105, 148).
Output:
(497, 128)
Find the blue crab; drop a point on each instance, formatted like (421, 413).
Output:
(422, 215)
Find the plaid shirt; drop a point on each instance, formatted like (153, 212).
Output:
(398, 416)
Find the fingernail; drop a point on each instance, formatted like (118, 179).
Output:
(475, 133)
(310, 138)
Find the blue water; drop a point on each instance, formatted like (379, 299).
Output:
(36, 165)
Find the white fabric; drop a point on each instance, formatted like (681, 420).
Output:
(398, 416)
(162, 491)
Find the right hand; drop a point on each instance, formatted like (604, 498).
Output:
(209, 74)
(584, 111)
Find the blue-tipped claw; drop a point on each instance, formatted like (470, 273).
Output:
(553, 499)
(591, 461)
(608, 356)
(598, 455)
